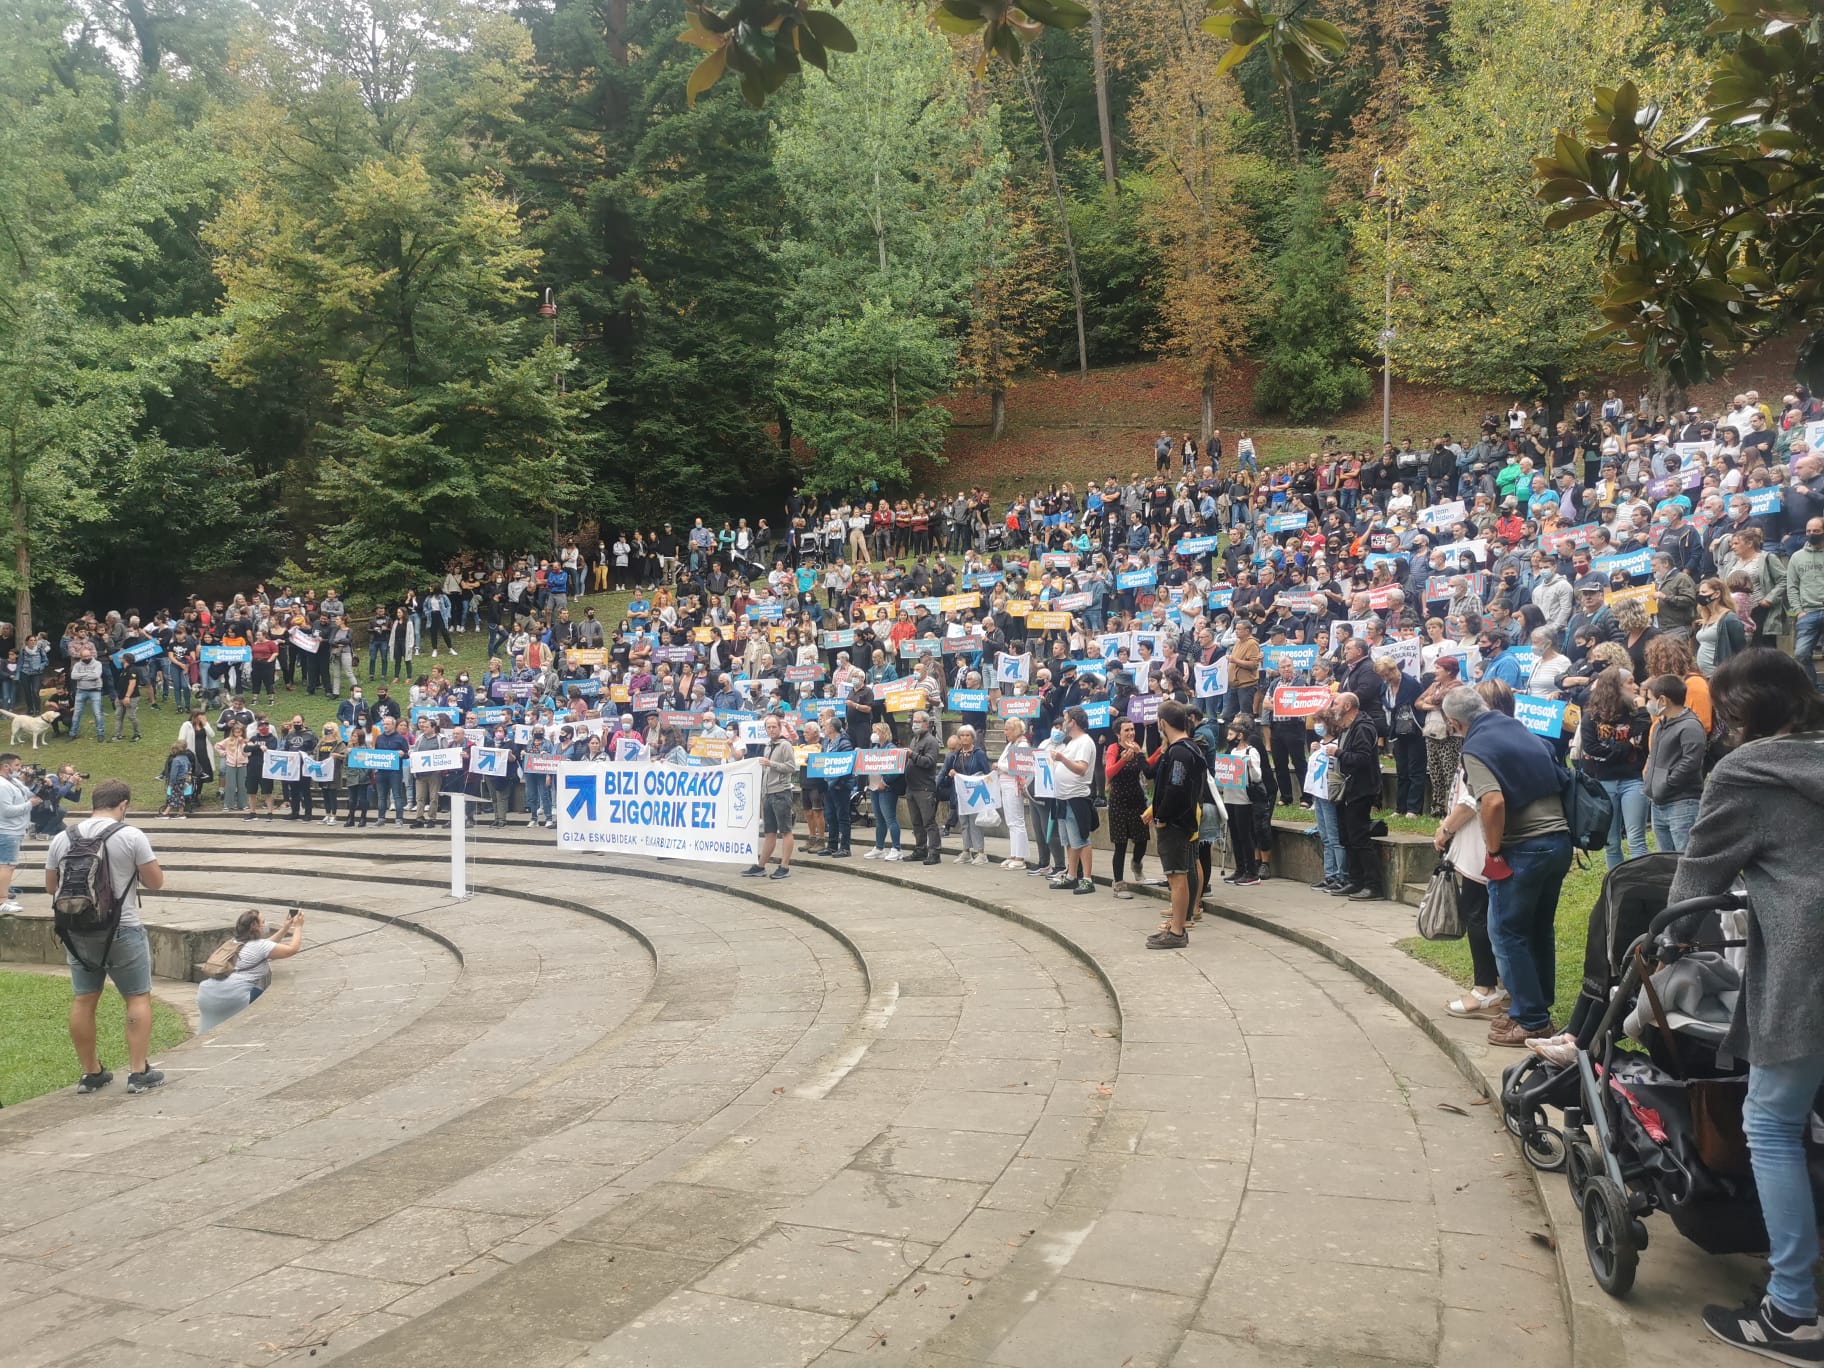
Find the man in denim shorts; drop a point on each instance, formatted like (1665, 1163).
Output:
(128, 961)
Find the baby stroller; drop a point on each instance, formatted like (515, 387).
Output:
(1664, 1104)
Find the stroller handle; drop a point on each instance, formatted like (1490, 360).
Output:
(1695, 907)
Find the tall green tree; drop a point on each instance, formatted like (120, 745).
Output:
(83, 200)
(892, 176)
(371, 257)
(864, 394)
(1485, 296)
(655, 218)
(1310, 369)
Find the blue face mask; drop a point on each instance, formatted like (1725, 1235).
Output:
(1320, 729)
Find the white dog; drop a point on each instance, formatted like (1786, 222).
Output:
(38, 728)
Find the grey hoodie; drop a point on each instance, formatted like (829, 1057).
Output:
(1675, 759)
(1763, 820)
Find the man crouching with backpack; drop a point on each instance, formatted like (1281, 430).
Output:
(93, 873)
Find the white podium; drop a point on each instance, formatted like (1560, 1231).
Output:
(459, 840)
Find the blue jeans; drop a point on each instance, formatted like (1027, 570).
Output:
(1522, 911)
(376, 656)
(88, 698)
(886, 819)
(538, 795)
(1805, 641)
(1779, 1100)
(1672, 823)
(389, 788)
(1330, 832)
(1629, 799)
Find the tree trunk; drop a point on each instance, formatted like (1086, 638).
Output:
(1291, 122)
(22, 569)
(617, 31)
(1209, 402)
(1110, 176)
(997, 413)
(1035, 100)
(1552, 377)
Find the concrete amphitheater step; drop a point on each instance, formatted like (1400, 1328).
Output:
(1037, 1142)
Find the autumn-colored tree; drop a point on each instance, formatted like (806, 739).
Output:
(1015, 302)
(1189, 123)
(1392, 54)
(1484, 296)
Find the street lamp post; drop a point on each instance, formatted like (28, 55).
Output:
(1388, 333)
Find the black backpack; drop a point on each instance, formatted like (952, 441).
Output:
(1588, 810)
(86, 903)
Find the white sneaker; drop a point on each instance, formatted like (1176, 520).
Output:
(1013, 864)
(894, 855)
(9, 908)
(962, 858)
(873, 854)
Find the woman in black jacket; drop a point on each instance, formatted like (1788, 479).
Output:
(1400, 727)
(1613, 739)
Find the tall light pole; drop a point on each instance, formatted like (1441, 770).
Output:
(1388, 333)
(548, 309)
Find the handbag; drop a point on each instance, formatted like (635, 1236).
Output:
(1440, 914)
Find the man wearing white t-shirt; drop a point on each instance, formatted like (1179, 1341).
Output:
(1071, 762)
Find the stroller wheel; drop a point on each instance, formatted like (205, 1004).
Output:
(1608, 1235)
(1580, 1166)
(1544, 1147)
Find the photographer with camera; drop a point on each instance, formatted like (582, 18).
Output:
(244, 965)
(54, 790)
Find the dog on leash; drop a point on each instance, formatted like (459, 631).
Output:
(37, 728)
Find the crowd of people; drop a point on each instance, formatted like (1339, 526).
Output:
(1440, 631)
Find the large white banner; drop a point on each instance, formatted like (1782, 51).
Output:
(689, 812)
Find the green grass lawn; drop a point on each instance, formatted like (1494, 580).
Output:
(35, 1053)
(1581, 888)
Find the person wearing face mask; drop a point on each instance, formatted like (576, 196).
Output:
(1805, 597)
(1674, 775)
(924, 757)
(1323, 784)
(1720, 633)
(1552, 596)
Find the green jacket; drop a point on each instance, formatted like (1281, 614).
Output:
(1805, 581)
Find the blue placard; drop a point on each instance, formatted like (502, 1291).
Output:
(1196, 546)
(982, 579)
(1097, 713)
(969, 700)
(1222, 596)
(365, 758)
(836, 641)
(588, 688)
(450, 715)
(1286, 522)
(1374, 560)
(1137, 579)
(1541, 716)
(1097, 667)
(830, 765)
(766, 612)
(494, 717)
(224, 655)
(728, 717)
(810, 709)
(139, 650)
(1303, 658)
(1631, 563)
(1768, 500)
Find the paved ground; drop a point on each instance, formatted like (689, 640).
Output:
(629, 1115)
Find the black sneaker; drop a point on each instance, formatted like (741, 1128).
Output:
(94, 1082)
(145, 1082)
(1167, 940)
(1084, 886)
(1762, 1328)
(1324, 885)
(1362, 895)
(842, 854)
(783, 872)
(1347, 890)
(1248, 881)
(824, 852)
(753, 871)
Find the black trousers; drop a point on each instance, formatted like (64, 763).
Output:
(1287, 745)
(1355, 815)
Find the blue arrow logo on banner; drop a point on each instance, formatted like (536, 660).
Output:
(582, 794)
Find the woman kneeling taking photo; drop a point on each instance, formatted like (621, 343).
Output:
(217, 999)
